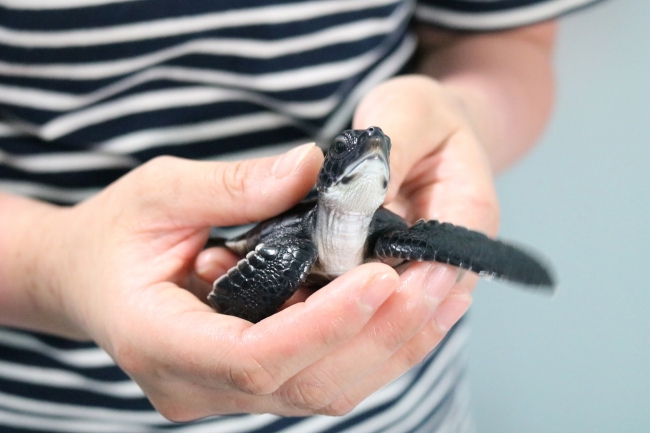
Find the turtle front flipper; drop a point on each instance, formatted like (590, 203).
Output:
(467, 249)
(258, 286)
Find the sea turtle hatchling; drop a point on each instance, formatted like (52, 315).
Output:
(320, 239)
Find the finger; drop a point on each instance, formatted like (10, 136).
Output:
(201, 193)
(176, 330)
(456, 185)
(447, 314)
(212, 263)
(277, 348)
(416, 124)
(423, 286)
(198, 287)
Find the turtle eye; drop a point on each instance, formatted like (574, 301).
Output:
(338, 147)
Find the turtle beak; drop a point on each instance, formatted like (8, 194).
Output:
(377, 143)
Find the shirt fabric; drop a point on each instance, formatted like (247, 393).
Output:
(90, 89)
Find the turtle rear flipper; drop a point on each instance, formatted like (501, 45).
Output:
(258, 286)
(467, 249)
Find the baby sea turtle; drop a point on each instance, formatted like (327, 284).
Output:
(320, 239)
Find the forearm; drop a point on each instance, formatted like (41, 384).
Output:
(503, 81)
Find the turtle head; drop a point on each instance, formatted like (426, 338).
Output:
(355, 174)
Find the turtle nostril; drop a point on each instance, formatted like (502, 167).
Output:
(370, 130)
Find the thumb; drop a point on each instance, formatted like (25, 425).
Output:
(204, 193)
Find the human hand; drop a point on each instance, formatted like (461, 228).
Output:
(112, 269)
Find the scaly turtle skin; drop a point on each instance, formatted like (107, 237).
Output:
(320, 239)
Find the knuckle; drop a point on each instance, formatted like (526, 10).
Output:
(342, 406)
(420, 346)
(149, 177)
(156, 167)
(413, 354)
(333, 332)
(175, 412)
(310, 395)
(391, 335)
(232, 178)
(252, 378)
(487, 206)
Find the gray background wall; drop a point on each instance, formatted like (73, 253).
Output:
(579, 362)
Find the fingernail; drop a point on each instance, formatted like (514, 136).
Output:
(289, 162)
(439, 281)
(451, 310)
(379, 289)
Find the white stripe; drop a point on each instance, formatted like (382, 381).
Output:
(66, 379)
(66, 162)
(276, 81)
(46, 100)
(46, 192)
(57, 101)
(79, 414)
(230, 425)
(140, 103)
(248, 48)
(52, 424)
(184, 25)
(211, 130)
(80, 358)
(497, 19)
(138, 141)
(386, 69)
(429, 401)
(8, 131)
(56, 4)
(45, 408)
(62, 425)
(161, 99)
(141, 140)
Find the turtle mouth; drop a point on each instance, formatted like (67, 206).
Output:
(373, 163)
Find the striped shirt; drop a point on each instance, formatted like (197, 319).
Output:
(90, 89)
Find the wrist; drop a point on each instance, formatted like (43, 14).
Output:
(33, 260)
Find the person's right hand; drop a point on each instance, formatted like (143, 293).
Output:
(113, 269)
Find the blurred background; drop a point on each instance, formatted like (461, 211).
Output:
(581, 361)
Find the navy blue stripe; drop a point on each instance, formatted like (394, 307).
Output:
(82, 179)
(124, 13)
(60, 343)
(118, 50)
(28, 145)
(73, 396)
(35, 359)
(223, 63)
(211, 148)
(316, 93)
(124, 51)
(480, 6)
(6, 429)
